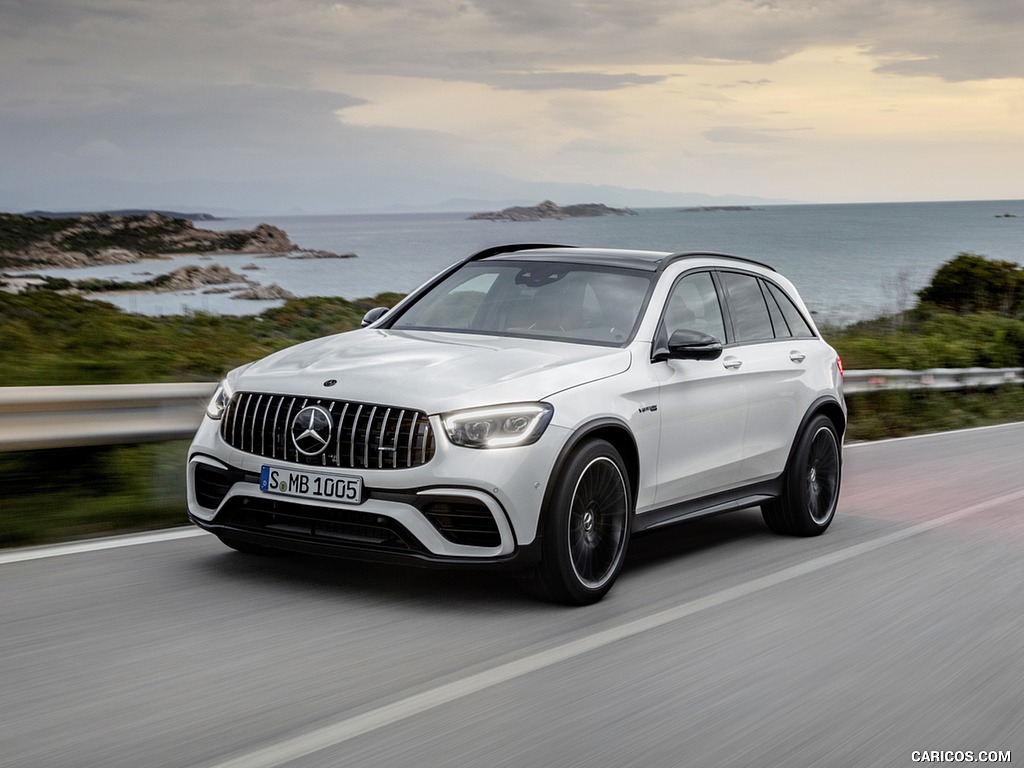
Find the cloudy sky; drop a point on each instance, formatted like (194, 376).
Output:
(278, 106)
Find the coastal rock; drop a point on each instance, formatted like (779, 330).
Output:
(309, 253)
(551, 210)
(192, 277)
(263, 292)
(100, 238)
(265, 238)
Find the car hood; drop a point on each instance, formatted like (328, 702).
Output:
(431, 371)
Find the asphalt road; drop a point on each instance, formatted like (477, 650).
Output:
(900, 630)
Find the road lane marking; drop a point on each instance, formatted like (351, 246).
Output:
(341, 731)
(925, 435)
(96, 545)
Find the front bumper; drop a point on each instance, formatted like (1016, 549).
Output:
(465, 507)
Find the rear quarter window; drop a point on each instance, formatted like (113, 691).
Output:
(795, 322)
(747, 306)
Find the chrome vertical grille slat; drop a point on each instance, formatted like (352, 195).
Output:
(274, 428)
(364, 435)
(340, 431)
(412, 438)
(380, 438)
(352, 437)
(252, 426)
(284, 429)
(398, 436)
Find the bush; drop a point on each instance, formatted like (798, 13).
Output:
(971, 283)
(50, 338)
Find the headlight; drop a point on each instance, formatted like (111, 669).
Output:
(500, 426)
(219, 402)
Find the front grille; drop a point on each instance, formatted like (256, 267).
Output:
(363, 435)
(327, 526)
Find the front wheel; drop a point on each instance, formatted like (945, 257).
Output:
(811, 485)
(587, 527)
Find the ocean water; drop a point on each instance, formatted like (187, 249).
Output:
(850, 262)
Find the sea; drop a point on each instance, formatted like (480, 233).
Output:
(850, 261)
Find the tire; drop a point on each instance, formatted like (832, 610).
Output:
(811, 486)
(587, 524)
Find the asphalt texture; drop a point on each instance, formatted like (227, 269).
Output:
(900, 630)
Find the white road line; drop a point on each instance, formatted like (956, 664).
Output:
(96, 545)
(925, 435)
(351, 727)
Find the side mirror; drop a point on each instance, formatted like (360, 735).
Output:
(373, 316)
(693, 345)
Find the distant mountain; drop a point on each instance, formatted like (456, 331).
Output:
(123, 212)
(354, 193)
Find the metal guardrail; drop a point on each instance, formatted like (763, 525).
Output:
(57, 417)
(61, 417)
(934, 378)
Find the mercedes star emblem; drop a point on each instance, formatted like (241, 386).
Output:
(311, 430)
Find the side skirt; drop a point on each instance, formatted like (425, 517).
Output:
(727, 501)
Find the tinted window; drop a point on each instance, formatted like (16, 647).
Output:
(778, 321)
(797, 325)
(559, 301)
(750, 319)
(694, 306)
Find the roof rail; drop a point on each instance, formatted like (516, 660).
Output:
(512, 248)
(713, 254)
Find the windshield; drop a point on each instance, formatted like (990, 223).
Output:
(568, 302)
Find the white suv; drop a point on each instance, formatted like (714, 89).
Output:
(530, 408)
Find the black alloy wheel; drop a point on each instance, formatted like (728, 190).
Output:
(810, 494)
(587, 527)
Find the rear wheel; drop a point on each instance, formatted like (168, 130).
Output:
(811, 486)
(587, 528)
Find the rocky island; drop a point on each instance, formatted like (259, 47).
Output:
(42, 242)
(49, 241)
(551, 210)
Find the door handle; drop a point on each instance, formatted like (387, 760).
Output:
(732, 363)
(796, 356)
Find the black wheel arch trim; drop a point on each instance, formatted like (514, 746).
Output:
(588, 431)
(833, 411)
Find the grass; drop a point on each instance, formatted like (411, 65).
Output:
(73, 493)
(880, 415)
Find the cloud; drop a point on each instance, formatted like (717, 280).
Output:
(575, 81)
(644, 93)
(482, 39)
(733, 134)
(160, 131)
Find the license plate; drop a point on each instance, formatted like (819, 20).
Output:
(311, 485)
